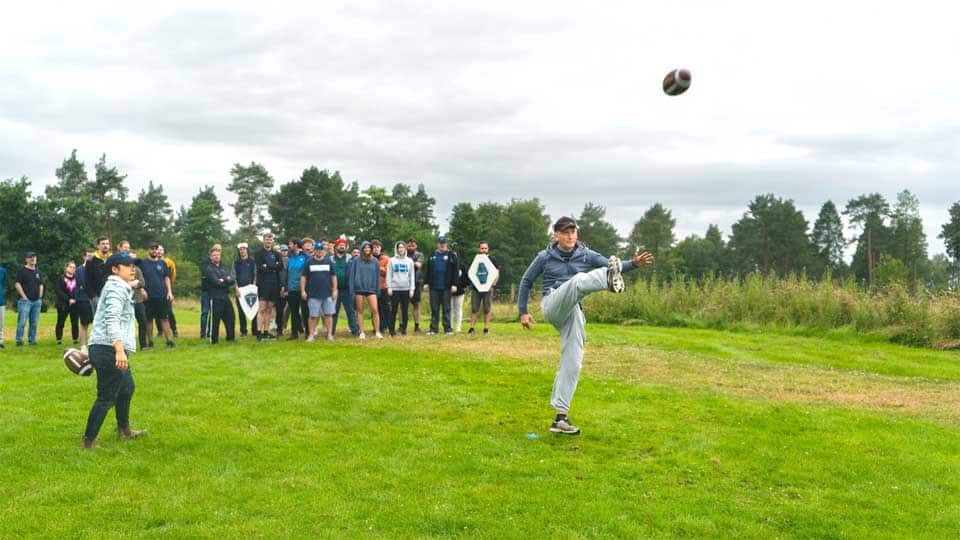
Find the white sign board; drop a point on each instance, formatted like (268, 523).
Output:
(483, 274)
(249, 301)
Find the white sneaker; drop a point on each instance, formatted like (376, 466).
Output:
(614, 274)
(84, 350)
(379, 335)
(311, 339)
(329, 337)
(362, 336)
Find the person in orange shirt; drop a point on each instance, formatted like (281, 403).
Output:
(383, 299)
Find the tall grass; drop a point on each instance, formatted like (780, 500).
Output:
(794, 301)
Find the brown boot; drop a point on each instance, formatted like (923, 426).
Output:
(131, 433)
(88, 444)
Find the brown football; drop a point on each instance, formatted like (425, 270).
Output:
(676, 82)
(77, 362)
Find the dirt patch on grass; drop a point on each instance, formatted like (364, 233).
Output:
(746, 378)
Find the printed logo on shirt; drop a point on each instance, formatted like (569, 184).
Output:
(319, 267)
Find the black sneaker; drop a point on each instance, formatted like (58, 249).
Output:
(486, 331)
(416, 328)
(565, 427)
(471, 331)
(171, 344)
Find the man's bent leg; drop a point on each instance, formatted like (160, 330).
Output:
(559, 304)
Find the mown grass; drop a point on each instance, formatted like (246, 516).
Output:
(689, 433)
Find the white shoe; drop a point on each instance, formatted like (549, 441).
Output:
(329, 337)
(362, 336)
(84, 350)
(311, 339)
(614, 274)
(379, 335)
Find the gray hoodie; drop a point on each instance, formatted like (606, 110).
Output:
(400, 272)
(557, 267)
(364, 276)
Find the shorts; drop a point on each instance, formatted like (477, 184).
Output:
(416, 294)
(158, 308)
(269, 292)
(366, 294)
(84, 312)
(318, 306)
(476, 297)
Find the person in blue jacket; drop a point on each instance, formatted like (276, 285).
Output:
(570, 271)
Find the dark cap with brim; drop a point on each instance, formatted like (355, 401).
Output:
(118, 259)
(564, 223)
(29, 254)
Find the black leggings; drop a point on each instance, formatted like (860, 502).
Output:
(62, 315)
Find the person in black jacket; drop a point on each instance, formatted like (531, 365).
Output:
(269, 265)
(218, 282)
(442, 280)
(245, 272)
(94, 273)
(67, 302)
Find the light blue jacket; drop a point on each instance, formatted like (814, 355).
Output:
(556, 271)
(114, 319)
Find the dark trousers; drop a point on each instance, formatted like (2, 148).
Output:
(62, 315)
(221, 309)
(383, 306)
(140, 312)
(440, 300)
(298, 313)
(204, 314)
(401, 300)
(345, 299)
(172, 319)
(243, 320)
(114, 388)
(281, 306)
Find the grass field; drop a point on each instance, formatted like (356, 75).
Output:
(686, 433)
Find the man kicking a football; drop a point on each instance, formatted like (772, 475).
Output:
(570, 271)
(112, 341)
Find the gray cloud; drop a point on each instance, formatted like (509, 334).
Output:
(483, 102)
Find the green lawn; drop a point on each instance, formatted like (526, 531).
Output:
(688, 433)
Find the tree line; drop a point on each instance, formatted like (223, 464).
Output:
(772, 236)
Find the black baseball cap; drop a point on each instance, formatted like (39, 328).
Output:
(29, 254)
(564, 223)
(118, 259)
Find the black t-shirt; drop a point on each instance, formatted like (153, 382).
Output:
(319, 274)
(30, 281)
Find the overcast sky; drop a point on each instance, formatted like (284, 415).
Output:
(497, 100)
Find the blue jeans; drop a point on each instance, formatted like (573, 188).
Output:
(31, 309)
(345, 299)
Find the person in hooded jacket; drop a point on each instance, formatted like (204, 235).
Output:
(401, 285)
(365, 284)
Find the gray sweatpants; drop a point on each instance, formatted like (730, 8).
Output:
(561, 308)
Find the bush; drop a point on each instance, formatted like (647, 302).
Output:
(794, 301)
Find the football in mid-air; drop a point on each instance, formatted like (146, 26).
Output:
(77, 362)
(676, 82)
